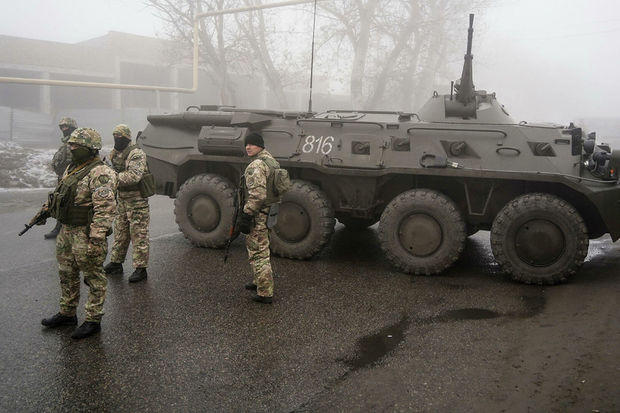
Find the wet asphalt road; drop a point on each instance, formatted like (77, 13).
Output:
(346, 332)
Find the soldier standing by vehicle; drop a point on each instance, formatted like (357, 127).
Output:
(256, 202)
(135, 185)
(62, 159)
(84, 202)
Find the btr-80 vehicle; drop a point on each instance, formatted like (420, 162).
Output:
(429, 178)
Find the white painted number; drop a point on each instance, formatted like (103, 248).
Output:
(324, 144)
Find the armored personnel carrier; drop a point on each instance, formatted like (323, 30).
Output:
(429, 178)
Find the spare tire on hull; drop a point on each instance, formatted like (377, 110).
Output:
(204, 209)
(539, 238)
(421, 231)
(305, 222)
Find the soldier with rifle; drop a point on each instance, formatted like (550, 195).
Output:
(62, 159)
(257, 196)
(84, 202)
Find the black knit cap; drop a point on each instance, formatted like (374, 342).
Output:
(255, 139)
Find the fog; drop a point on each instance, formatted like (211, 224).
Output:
(551, 60)
(554, 61)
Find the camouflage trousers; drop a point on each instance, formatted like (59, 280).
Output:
(257, 244)
(72, 256)
(131, 224)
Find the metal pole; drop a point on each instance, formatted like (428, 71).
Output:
(11, 124)
(312, 60)
(252, 8)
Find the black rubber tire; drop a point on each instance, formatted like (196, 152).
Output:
(305, 222)
(356, 224)
(539, 238)
(421, 231)
(213, 196)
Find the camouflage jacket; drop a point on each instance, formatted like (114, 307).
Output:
(130, 164)
(98, 189)
(62, 158)
(255, 176)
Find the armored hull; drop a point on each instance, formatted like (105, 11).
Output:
(430, 179)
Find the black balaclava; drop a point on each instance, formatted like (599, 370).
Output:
(81, 154)
(121, 143)
(67, 131)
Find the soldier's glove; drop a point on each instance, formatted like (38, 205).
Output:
(245, 223)
(96, 247)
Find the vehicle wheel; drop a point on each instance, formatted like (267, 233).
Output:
(356, 223)
(422, 232)
(204, 209)
(305, 222)
(539, 239)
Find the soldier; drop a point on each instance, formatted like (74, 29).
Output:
(253, 219)
(132, 218)
(84, 202)
(62, 159)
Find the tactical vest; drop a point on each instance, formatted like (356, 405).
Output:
(272, 198)
(146, 186)
(118, 163)
(62, 201)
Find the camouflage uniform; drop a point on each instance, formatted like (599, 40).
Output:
(62, 157)
(84, 247)
(132, 214)
(257, 241)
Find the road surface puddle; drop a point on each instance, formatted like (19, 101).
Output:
(466, 314)
(374, 347)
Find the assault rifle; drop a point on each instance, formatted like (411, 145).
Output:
(233, 226)
(38, 219)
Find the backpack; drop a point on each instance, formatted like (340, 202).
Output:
(278, 182)
(281, 181)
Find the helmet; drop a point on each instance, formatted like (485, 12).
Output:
(122, 130)
(70, 122)
(86, 137)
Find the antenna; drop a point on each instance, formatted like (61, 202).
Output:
(312, 59)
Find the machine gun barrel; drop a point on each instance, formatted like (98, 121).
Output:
(466, 93)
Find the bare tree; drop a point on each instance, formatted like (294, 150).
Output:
(179, 16)
(397, 45)
(390, 52)
(229, 45)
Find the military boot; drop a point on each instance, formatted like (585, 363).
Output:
(250, 286)
(88, 328)
(138, 275)
(263, 300)
(58, 320)
(53, 233)
(113, 268)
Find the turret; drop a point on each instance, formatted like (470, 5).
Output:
(464, 103)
